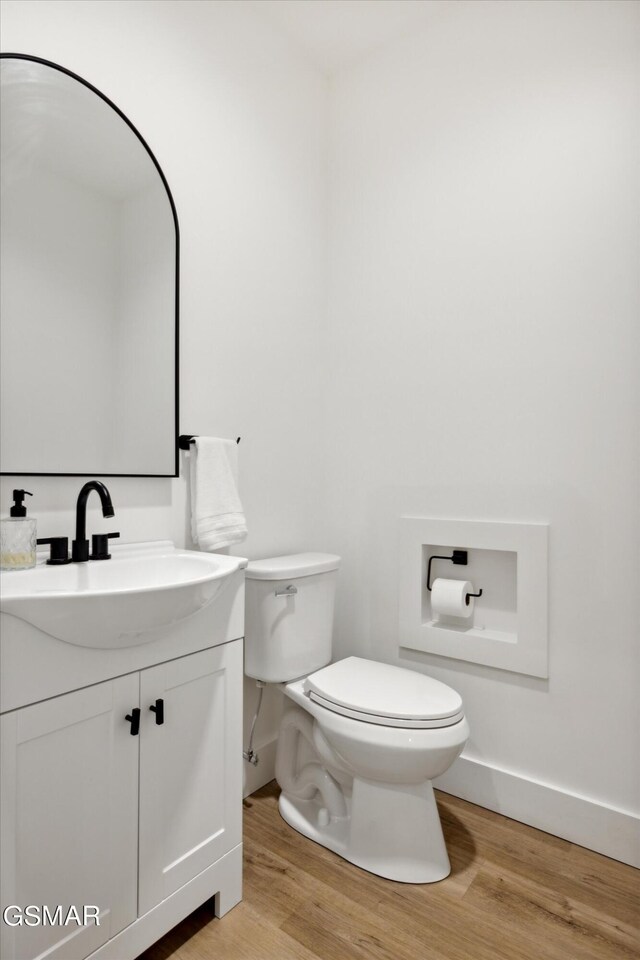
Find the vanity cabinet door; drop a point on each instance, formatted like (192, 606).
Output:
(69, 819)
(190, 768)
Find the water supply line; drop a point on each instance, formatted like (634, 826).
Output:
(249, 754)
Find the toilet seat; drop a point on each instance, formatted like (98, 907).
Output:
(383, 694)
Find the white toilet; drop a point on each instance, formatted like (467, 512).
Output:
(360, 741)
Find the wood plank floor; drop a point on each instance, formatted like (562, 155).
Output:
(514, 893)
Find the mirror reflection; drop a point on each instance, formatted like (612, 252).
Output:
(89, 284)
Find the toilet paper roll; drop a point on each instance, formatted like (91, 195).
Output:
(449, 597)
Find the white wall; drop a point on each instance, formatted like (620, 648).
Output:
(483, 334)
(237, 121)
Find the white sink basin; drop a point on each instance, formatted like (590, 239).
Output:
(117, 602)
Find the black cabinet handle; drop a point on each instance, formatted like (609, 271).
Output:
(158, 709)
(134, 720)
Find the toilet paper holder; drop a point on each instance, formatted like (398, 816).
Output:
(460, 558)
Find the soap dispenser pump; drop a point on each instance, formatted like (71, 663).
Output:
(18, 536)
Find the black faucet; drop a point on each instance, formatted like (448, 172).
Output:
(80, 546)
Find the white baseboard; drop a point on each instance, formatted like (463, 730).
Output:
(256, 777)
(597, 826)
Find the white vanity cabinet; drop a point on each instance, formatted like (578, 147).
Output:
(144, 824)
(189, 816)
(69, 817)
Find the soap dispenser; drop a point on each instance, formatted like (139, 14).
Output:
(18, 536)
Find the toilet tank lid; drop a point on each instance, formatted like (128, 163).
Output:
(292, 566)
(384, 690)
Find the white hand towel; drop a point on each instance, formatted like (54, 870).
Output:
(217, 518)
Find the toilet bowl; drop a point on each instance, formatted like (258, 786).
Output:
(359, 741)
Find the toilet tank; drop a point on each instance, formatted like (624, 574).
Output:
(289, 615)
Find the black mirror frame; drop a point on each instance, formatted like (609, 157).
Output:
(176, 467)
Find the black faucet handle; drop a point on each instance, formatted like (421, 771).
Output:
(100, 545)
(59, 549)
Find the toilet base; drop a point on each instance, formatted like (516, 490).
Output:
(393, 832)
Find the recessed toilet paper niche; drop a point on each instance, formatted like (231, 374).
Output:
(507, 625)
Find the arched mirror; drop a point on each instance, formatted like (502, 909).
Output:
(89, 267)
